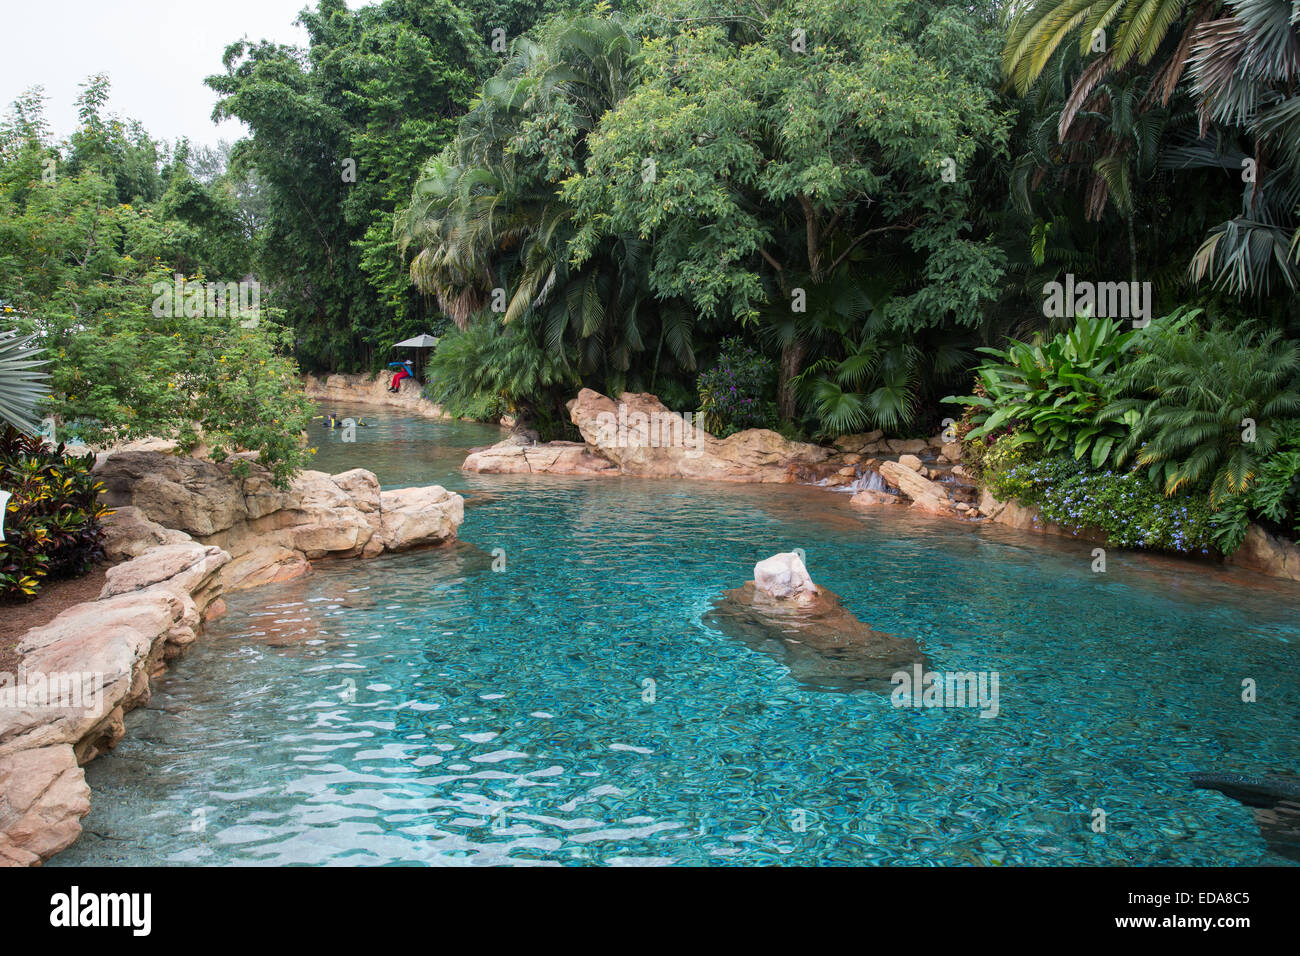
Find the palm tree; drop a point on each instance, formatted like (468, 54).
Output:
(1036, 31)
(21, 385)
(1245, 72)
(486, 214)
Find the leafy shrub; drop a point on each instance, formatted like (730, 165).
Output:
(488, 369)
(119, 371)
(1124, 505)
(1050, 394)
(1273, 498)
(1192, 390)
(731, 393)
(52, 519)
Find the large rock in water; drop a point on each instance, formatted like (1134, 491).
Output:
(783, 614)
(645, 438)
(928, 496)
(784, 577)
(511, 457)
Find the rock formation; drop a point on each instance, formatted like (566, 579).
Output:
(345, 390)
(640, 437)
(177, 523)
(271, 533)
(783, 614)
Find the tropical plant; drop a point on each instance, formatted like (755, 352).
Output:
(1273, 498)
(52, 522)
(869, 373)
(1050, 394)
(759, 171)
(486, 370)
(1035, 31)
(22, 386)
(488, 228)
(1245, 72)
(1210, 403)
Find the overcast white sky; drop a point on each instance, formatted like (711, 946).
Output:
(156, 52)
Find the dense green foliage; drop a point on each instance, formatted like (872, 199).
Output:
(1205, 411)
(1050, 394)
(846, 211)
(51, 526)
(84, 254)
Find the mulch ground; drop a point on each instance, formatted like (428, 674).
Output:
(56, 597)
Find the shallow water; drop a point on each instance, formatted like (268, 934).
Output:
(426, 708)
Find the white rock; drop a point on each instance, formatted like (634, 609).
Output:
(783, 576)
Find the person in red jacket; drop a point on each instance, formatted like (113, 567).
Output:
(404, 370)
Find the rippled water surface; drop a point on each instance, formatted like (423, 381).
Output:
(575, 707)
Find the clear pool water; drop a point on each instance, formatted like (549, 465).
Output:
(426, 708)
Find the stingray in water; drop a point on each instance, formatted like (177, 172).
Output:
(1275, 800)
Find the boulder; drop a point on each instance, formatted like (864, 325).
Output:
(927, 496)
(318, 515)
(198, 497)
(911, 461)
(907, 446)
(644, 438)
(361, 486)
(104, 654)
(264, 565)
(783, 614)
(43, 796)
(1268, 554)
(515, 457)
(128, 533)
(415, 517)
(187, 567)
(784, 577)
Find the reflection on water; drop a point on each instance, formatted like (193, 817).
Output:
(581, 705)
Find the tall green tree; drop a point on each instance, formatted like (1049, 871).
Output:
(339, 132)
(766, 150)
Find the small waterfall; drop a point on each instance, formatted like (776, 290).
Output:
(870, 480)
(867, 481)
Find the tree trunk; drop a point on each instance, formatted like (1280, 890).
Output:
(1132, 249)
(792, 356)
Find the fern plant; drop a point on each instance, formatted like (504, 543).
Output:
(1211, 403)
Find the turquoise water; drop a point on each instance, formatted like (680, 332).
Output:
(426, 708)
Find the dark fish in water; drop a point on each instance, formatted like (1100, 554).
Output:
(1275, 800)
